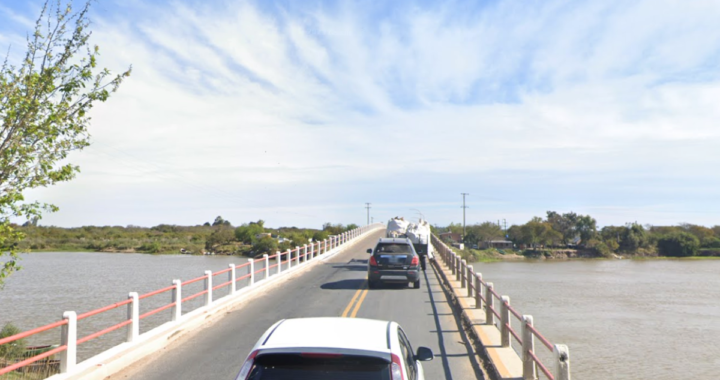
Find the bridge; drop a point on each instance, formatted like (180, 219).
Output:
(473, 331)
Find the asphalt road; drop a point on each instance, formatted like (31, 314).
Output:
(328, 289)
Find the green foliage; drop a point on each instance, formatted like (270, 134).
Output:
(711, 242)
(320, 235)
(12, 350)
(265, 245)
(478, 233)
(678, 244)
(223, 234)
(219, 221)
(247, 233)
(44, 105)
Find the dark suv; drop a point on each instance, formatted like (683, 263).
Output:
(393, 260)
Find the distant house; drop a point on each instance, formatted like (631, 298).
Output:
(451, 237)
(499, 244)
(263, 235)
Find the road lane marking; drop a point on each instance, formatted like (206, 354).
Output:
(359, 302)
(352, 301)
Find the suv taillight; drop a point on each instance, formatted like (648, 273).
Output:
(247, 366)
(415, 261)
(373, 262)
(396, 368)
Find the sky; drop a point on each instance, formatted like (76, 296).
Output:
(301, 112)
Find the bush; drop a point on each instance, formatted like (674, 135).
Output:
(12, 350)
(265, 245)
(678, 244)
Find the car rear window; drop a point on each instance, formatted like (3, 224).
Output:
(299, 367)
(391, 248)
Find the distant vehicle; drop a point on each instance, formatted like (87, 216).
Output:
(334, 348)
(393, 260)
(419, 234)
(397, 227)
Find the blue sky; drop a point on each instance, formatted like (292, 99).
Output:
(300, 112)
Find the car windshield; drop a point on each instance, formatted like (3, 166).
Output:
(303, 367)
(392, 248)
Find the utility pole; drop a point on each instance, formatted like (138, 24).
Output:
(464, 207)
(367, 206)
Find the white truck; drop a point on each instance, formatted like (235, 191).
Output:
(419, 235)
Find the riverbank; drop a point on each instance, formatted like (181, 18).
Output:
(496, 255)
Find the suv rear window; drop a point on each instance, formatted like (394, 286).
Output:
(299, 367)
(393, 248)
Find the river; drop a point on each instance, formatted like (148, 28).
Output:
(53, 282)
(621, 319)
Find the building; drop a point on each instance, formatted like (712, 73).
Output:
(450, 237)
(499, 244)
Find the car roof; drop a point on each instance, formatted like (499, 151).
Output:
(330, 332)
(402, 240)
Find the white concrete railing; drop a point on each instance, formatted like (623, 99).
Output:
(111, 360)
(485, 296)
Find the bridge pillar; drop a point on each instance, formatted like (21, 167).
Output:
(267, 266)
(177, 300)
(505, 328)
(470, 284)
(251, 268)
(68, 337)
(133, 314)
(528, 345)
(208, 287)
(562, 362)
(489, 304)
(231, 278)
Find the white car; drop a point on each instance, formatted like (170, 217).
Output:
(334, 348)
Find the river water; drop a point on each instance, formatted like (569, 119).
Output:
(621, 319)
(53, 282)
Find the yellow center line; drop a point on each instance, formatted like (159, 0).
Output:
(352, 301)
(359, 302)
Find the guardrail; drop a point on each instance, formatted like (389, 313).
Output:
(485, 296)
(69, 341)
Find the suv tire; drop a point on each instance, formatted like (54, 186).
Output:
(416, 284)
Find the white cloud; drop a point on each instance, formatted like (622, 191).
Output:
(233, 108)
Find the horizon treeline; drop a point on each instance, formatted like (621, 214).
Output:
(220, 236)
(571, 230)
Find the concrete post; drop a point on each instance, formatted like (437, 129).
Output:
(458, 267)
(278, 260)
(231, 278)
(463, 270)
(297, 249)
(505, 328)
(489, 304)
(528, 345)
(68, 337)
(305, 253)
(312, 250)
(251, 268)
(267, 265)
(326, 245)
(470, 274)
(478, 290)
(177, 300)
(562, 362)
(452, 264)
(208, 287)
(133, 314)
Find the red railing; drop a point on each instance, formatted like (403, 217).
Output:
(467, 277)
(316, 249)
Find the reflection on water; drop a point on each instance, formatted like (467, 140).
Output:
(53, 282)
(622, 319)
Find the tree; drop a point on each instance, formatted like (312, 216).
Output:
(247, 233)
(44, 105)
(222, 235)
(265, 245)
(219, 221)
(564, 224)
(678, 244)
(586, 227)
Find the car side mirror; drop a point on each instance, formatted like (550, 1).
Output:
(424, 354)
(369, 250)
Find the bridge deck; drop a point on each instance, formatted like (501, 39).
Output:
(328, 289)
